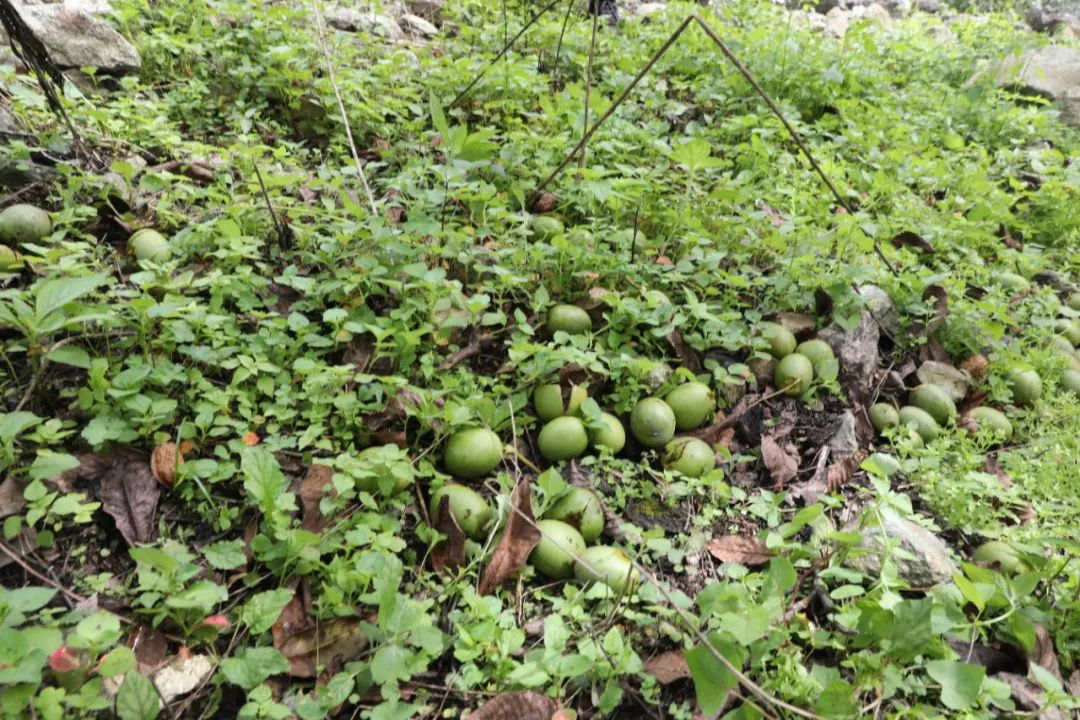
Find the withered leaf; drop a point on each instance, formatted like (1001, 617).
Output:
(313, 488)
(545, 202)
(686, 354)
(163, 462)
(1043, 653)
(359, 352)
(667, 667)
(783, 464)
(450, 551)
(935, 351)
(1028, 695)
(940, 298)
(328, 644)
(911, 239)
(90, 467)
(991, 466)
(516, 706)
(149, 647)
(972, 401)
(840, 472)
(11, 497)
(517, 542)
(739, 549)
(129, 494)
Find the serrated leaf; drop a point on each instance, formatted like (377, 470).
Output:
(69, 355)
(263, 609)
(56, 293)
(137, 699)
(254, 666)
(117, 662)
(225, 555)
(960, 682)
(712, 679)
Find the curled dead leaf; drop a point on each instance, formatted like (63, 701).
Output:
(686, 354)
(163, 462)
(667, 667)
(739, 549)
(450, 551)
(545, 202)
(911, 239)
(129, 494)
(782, 463)
(518, 540)
(313, 488)
(517, 706)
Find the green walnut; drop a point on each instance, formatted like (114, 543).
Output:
(550, 402)
(780, 340)
(995, 553)
(472, 453)
(1074, 301)
(1070, 381)
(989, 420)
(545, 227)
(612, 436)
(149, 244)
(693, 403)
(581, 509)
(569, 319)
(1014, 282)
(934, 401)
(923, 422)
(9, 259)
(611, 566)
(559, 545)
(793, 374)
(562, 438)
(23, 223)
(883, 415)
(817, 350)
(689, 456)
(472, 514)
(1026, 386)
(653, 422)
(1069, 329)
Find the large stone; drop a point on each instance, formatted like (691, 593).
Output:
(845, 441)
(875, 13)
(8, 124)
(857, 350)
(880, 305)
(415, 25)
(77, 39)
(955, 383)
(427, 9)
(1047, 72)
(352, 20)
(921, 558)
(805, 20)
(1070, 106)
(837, 21)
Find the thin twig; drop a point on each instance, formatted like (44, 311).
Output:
(341, 106)
(588, 88)
(15, 557)
(558, 45)
(509, 44)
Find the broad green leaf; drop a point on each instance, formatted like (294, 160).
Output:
(960, 682)
(225, 555)
(262, 610)
(157, 559)
(203, 595)
(11, 424)
(117, 662)
(27, 599)
(56, 293)
(391, 662)
(137, 699)
(49, 465)
(712, 680)
(970, 591)
(70, 355)
(254, 666)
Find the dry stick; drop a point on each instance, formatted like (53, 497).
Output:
(558, 45)
(754, 689)
(588, 88)
(341, 106)
(15, 557)
(614, 106)
(502, 52)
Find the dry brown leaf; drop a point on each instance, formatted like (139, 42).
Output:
(11, 497)
(1043, 653)
(913, 240)
(972, 401)
(739, 549)
(516, 706)
(163, 462)
(1028, 696)
(840, 472)
(977, 365)
(991, 466)
(149, 647)
(517, 542)
(129, 494)
(686, 354)
(667, 667)
(783, 465)
(360, 351)
(328, 644)
(450, 551)
(941, 306)
(934, 350)
(313, 488)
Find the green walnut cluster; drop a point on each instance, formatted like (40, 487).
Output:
(564, 436)
(564, 551)
(797, 363)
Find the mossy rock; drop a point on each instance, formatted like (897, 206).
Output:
(472, 453)
(23, 223)
(693, 403)
(924, 423)
(935, 401)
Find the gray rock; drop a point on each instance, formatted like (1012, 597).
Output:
(427, 9)
(657, 376)
(352, 20)
(15, 175)
(844, 442)
(955, 383)
(1048, 72)
(415, 25)
(880, 305)
(807, 20)
(921, 558)
(837, 21)
(875, 13)
(1053, 278)
(857, 350)
(9, 125)
(77, 39)
(928, 6)
(897, 8)
(940, 33)
(1070, 106)
(650, 8)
